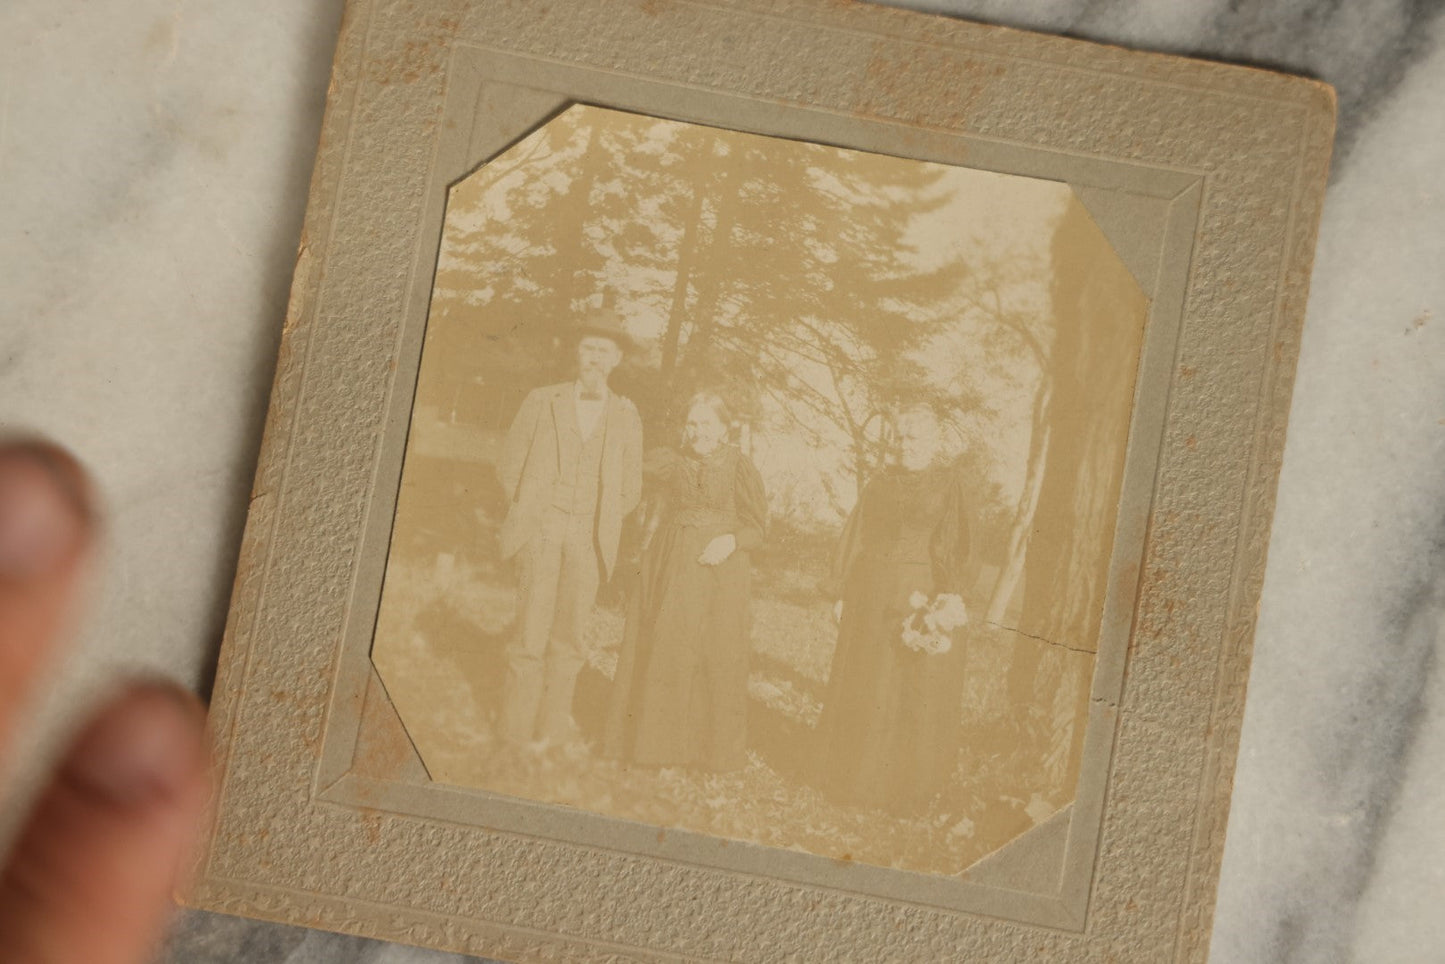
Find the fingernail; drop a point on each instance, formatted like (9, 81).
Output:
(43, 509)
(144, 748)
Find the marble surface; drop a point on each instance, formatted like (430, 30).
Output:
(154, 157)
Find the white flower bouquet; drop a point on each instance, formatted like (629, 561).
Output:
(929, 628)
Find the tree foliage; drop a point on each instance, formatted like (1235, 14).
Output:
(779, 273)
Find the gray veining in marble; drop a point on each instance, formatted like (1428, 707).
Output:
(154, 157)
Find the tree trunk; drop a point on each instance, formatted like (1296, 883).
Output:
(710, 284)
(1018, 542)
(573, 248)
(1099, 313)
(687, 258)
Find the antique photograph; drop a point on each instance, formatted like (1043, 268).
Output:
(761, 488)
(763, 480)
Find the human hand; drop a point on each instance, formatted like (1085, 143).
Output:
(718, 550)
(91, 875)
(838, 611)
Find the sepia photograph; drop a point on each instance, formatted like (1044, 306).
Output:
(763, 480)
(761, 488)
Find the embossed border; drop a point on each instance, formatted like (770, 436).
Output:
(1161, 201)
(1252, 147)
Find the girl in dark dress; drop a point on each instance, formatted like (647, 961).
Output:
(680, 692)
(888, 734)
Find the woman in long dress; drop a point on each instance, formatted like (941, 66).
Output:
(889, 730)
(680, 692)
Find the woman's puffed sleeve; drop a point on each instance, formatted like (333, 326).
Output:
(951, 548)
(752, 505)
(850, 544)
(659, 470)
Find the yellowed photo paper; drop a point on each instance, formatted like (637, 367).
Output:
(857, 605)
(776, 501)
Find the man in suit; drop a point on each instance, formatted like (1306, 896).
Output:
(571, 465)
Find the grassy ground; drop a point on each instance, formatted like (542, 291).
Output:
(439, 649)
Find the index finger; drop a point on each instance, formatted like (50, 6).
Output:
(45, 526)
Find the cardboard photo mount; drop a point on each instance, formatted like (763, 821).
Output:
(1208, 181)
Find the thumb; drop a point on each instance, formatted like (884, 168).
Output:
(92, 875)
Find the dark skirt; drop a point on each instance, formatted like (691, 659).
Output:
(680, 692)
(888, 736)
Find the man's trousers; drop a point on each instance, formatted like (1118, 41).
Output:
(558, 575)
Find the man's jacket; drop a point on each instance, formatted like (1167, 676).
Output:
(545, 442)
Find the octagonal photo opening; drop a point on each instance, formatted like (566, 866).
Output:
(762, 489)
